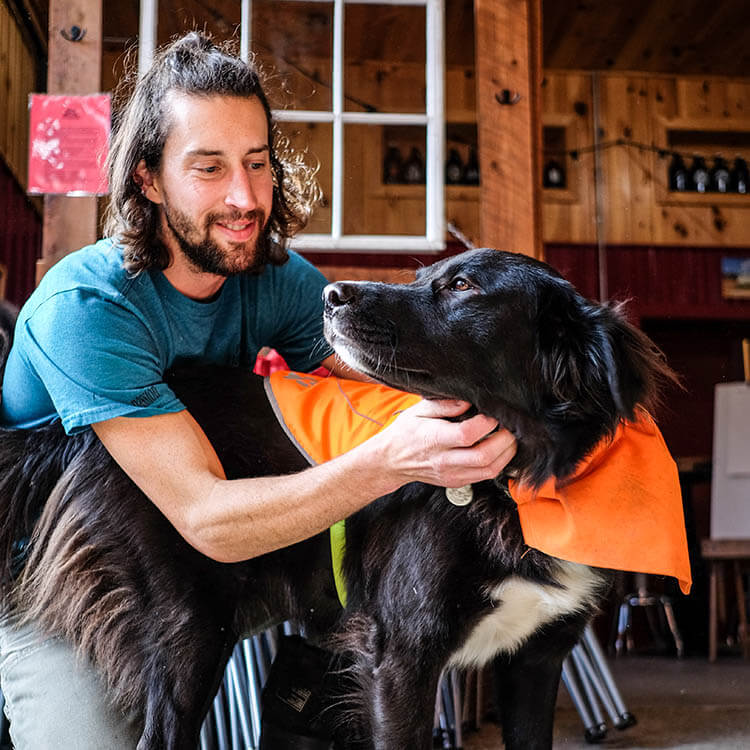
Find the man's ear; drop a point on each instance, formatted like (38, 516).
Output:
(144, 178)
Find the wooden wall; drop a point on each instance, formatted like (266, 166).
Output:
(692, 115)
(20, 238)
(18, 78)
(20, 217)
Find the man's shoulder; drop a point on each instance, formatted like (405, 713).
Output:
(100, 264)
(88, 282)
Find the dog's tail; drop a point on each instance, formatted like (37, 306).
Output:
(31, 462)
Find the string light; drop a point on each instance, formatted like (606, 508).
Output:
(661, 151)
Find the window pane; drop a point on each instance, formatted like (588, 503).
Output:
(384, 59)
(313, 142)
(384, 190)
(293, 42)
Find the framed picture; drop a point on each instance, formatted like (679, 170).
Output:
(735, 278)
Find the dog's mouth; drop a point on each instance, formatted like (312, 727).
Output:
(380, 362)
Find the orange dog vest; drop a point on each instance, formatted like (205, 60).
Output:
(622, 509)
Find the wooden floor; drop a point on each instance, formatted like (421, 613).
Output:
(678, 704)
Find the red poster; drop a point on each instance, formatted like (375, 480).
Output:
(69, 138)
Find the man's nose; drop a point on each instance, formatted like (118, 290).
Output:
(240, 192)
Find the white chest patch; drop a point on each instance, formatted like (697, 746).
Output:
(521, 607)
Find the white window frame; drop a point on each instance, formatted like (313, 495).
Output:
(433, 240)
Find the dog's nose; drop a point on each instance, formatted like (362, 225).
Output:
(338, 294)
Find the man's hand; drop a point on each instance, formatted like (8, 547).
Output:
(421, 445)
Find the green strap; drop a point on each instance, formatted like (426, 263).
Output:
(338, 544)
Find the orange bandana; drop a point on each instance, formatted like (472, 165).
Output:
(622, 509)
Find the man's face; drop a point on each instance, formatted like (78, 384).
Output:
(215, 183)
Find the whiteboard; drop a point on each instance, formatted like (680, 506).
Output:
(730, 483)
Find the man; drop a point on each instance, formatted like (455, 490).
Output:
(195, 271)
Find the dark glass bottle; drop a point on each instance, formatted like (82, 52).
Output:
(739, 177)
(699, 177)
(413, 170)
(454, 168)
(719, 176)
(392, 166)
(554, 175)
(678, 174)
(471, 171)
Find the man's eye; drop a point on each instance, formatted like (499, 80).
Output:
(460, 285)
(209, 170)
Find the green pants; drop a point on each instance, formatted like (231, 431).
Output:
(55, 701)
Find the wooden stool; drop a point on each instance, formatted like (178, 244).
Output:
(717, 552)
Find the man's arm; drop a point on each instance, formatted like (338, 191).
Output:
(171, 460)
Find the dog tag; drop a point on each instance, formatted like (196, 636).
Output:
(460, 495)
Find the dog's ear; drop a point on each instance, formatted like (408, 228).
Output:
(638, 368)
(594, 360)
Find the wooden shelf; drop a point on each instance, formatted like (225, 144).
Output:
(558, 195)
(707, 137)
(452, 192)
(691, 198)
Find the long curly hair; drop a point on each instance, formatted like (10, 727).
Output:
(193, 64)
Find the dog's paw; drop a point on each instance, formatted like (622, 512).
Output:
(460, 495)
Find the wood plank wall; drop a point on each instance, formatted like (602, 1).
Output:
(20, 217)
(662, 111)
(18, 79)
(637, 208)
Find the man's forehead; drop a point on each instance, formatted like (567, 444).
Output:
(194, 119)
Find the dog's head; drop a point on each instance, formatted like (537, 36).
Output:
(512, 337)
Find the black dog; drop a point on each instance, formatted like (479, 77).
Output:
(429, 584)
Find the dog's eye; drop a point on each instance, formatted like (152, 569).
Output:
(460, 285)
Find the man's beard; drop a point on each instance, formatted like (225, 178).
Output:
(207, 256)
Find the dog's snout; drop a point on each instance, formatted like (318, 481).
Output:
(338, 294)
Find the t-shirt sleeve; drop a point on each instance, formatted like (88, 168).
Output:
(96, 358)
(298, 334)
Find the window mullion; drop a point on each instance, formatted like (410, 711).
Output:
(337, 200)
(246, 16)
(435, 144)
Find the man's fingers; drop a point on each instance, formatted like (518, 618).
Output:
(463, 433)
(439, 408)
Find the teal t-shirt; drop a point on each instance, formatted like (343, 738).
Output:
(93, 342)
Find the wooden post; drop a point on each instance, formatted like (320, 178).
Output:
(74, 67)
(509, 77)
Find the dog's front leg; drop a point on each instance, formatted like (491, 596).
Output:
(526, 686)
(402, 700)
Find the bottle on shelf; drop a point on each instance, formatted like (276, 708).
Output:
(413, 169)
(554, 175)
(471, 171)
(699, 176)
(739, 177)
(719, 176)
(392, 166)
(678, 174)
(454, 168)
